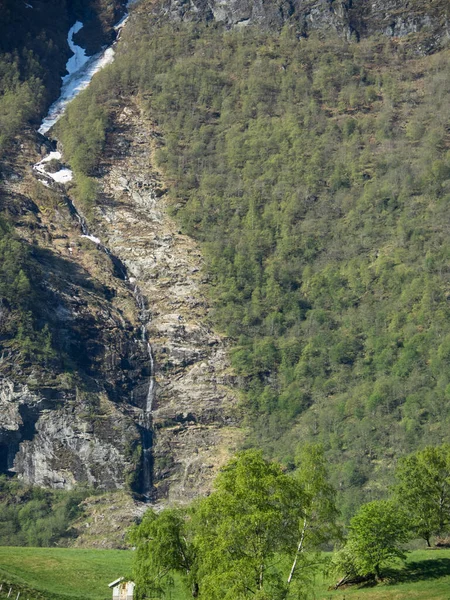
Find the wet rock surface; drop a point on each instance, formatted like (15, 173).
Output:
(195, 421)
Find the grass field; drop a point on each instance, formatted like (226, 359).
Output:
(62, 572)
(426, 576)
(68, 574)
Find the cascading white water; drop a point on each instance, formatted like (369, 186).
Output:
(81, 69)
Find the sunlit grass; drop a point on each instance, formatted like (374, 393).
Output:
(50, 573)
(425, 576)
(66, 572)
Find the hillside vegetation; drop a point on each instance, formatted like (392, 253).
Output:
(316, 173)
(32, 516)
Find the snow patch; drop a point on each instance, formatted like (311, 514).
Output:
(74, 84)
(79, 58)
(92, 238)
(81, 69)
(62, 176)
(52, 156)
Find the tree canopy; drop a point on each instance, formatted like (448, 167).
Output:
(243, 540)
(315, 174)
(424, 490)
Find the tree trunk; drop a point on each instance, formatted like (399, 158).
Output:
(299, 549)
(194, 590)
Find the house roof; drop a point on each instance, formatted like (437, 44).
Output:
(114, 583)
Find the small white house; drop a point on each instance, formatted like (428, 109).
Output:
(122, 589)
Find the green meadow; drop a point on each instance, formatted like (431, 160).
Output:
(61, 572)
(425, 576)
(58, 573)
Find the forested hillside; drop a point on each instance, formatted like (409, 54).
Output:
(316, 173)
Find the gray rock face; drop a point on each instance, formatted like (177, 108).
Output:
(72, 446)
(194, 421)
(71, 418)
(395, 18)
(15, 402)
(60, 441)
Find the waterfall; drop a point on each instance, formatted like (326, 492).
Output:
(81, 69)
(145, 416)
(147, 441)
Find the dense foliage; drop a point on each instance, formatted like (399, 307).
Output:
(317, 176)
(424, 490)
(21, 93)
(32, 516)
(240, 541)
(258, 535)
(376, 535)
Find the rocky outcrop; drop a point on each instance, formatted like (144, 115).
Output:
(79, 443)
(19, 408)
(358, 18)
(70, 419)
(195, 425)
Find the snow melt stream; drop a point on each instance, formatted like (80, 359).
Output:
(80, 69)
(62, 176)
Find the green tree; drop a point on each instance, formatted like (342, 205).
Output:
(376, 535)
(424, 490)
(317, 524)
(237, 542)
(249, 520)
(163, 547)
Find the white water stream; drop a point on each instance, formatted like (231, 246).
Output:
(81, 69)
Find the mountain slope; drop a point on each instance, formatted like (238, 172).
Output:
(304, 146)
(315, 173)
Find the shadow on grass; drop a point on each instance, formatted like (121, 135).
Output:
(419, 571)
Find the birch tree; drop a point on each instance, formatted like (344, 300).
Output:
(248, 523)
(317, 523)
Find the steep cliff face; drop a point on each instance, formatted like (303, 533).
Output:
(124, 322)
(194, 419)
(84, 414)
(68, 417)
(346, 17)
(71, 418)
